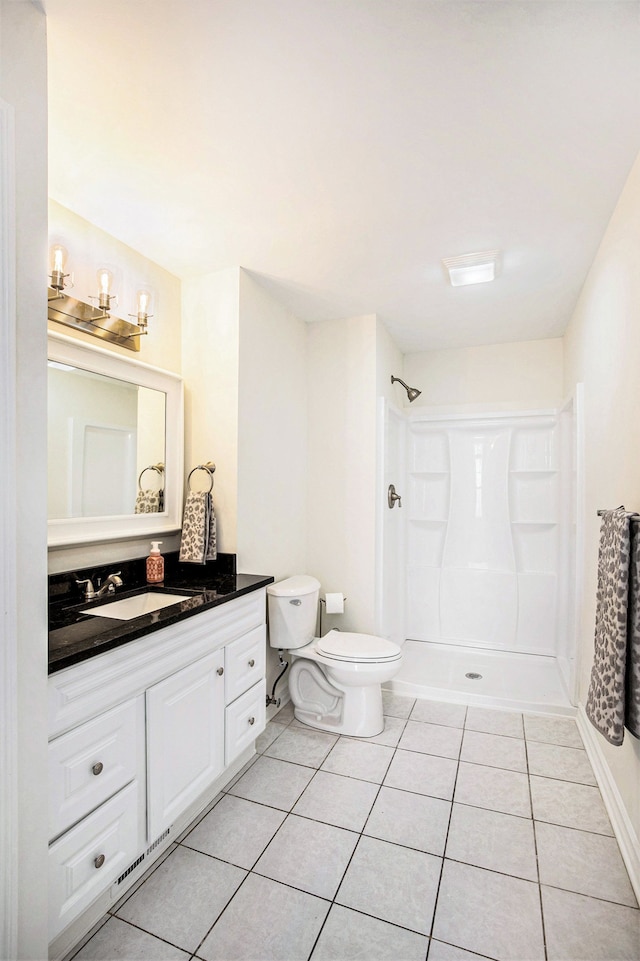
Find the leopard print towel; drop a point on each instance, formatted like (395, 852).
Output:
(198, 541)
(632, 692)
(606, 699)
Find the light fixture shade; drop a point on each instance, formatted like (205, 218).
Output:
(58, 261)
(477, 268)
(144, 297)
(105, 280)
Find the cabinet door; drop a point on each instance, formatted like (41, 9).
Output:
(185, 739)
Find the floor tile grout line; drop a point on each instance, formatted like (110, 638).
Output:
(221, 912)
(151, 934)
(444, 849)
(592, 897)
(337, 891)
(535, 847)
(355, 848)
(112, 910)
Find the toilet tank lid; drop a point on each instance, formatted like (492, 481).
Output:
(294, 586)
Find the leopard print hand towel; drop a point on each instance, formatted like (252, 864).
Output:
(198, 541)
(606, 699)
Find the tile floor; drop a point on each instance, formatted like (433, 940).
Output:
(457, 833)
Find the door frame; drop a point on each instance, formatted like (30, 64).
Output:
(8, 546)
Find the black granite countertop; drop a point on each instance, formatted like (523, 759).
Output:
(75, 637)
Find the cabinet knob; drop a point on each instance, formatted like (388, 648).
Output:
(98, 768)
(251, 662)
(221, 670)
(252, 720)
(99, 861)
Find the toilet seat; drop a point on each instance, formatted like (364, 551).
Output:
(357, 648)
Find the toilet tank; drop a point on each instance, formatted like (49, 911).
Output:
(293, 610)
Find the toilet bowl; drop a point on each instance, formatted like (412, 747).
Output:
(334, 681)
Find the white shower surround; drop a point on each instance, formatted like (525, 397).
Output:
(485, 546)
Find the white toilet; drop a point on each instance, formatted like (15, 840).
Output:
(334, 681)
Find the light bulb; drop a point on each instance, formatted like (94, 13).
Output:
(58, 261)
(105, 279)
(143, 304)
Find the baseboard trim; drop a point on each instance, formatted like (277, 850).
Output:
(620, 821)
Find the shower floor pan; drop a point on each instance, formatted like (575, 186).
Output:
(521, 682)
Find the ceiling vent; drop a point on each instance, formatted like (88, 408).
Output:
(477, 268)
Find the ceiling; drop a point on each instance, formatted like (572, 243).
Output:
(338, 149)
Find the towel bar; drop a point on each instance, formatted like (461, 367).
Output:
(209, 468)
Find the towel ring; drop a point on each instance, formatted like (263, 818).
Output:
(158, 468)
(209, 468)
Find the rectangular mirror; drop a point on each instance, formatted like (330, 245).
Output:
(115, 445)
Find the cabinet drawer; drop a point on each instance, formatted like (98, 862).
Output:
(90, 764)
(244, 663)
(244, 720)
(89, 857)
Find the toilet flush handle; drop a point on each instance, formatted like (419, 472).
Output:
(392, 497)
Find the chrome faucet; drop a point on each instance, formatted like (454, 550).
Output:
(109, 586)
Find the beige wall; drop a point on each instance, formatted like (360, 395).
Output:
(272, 435)
(23, 85)
(341, 488)
(210, 367)
(602, 349)
(516, 376)
(272, 442)
(389, 361)
(89, 248)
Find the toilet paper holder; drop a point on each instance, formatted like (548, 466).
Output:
(324, 601)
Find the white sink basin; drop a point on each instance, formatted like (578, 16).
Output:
(130, 607)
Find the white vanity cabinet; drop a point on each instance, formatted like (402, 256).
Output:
(141, 738)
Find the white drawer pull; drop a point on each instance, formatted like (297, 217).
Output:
(221, 670)
(252, 720)
(99, 861)
(252, 663)
(98, 768)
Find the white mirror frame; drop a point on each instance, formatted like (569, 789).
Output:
(64, 532)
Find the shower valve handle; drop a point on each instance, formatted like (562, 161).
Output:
(392, 497)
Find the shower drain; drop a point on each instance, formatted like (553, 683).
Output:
(473, 676)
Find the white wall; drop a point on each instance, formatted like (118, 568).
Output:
(210, 359)
(602, 349)
(23, 85)
(341, 505)
(516, 376)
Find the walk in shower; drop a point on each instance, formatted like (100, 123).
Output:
(477, 567)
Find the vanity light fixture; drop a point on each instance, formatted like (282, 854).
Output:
(96, 320)
(477, 268)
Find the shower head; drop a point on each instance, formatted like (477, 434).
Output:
(412, 392)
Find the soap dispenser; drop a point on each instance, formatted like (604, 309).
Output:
(155, 564)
